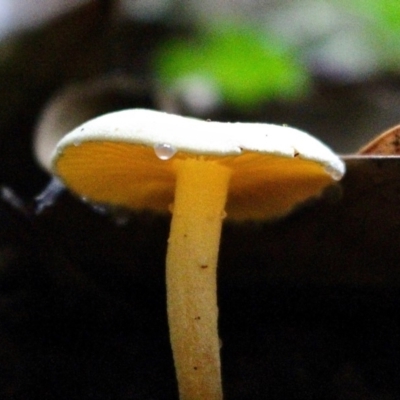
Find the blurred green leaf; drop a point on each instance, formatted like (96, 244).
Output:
(246, 65)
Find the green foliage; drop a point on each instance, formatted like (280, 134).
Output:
(245, 65)
(381, 19)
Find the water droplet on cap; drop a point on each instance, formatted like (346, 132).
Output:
(164, 151)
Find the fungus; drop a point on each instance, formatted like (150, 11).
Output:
(202, 171)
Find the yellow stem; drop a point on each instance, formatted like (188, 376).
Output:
(192, 257)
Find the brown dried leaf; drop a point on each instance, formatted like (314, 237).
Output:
(387, 143)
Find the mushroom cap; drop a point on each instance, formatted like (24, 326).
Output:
(112, 160)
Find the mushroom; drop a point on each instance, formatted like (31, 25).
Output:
(202, 171)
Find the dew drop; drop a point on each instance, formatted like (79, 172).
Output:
(164, 151)
(334, 173)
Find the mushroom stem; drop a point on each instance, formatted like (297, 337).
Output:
(198, 211)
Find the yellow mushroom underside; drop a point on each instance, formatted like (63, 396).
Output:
(262, 186)
(200, 189)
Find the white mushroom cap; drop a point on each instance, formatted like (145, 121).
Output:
(111, 159)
